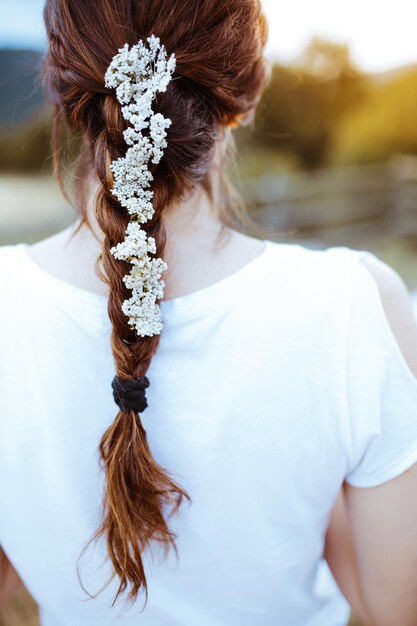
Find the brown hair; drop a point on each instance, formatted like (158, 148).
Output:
(219, 78)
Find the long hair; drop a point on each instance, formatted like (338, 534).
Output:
(219, 78)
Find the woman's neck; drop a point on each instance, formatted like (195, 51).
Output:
(199, 249)
(194, 237)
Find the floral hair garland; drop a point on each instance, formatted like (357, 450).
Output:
(137, 75)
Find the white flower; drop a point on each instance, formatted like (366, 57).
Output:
(137, 74)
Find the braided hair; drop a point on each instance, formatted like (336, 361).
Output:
(221, 74)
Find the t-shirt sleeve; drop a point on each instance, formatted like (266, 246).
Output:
(381, 389)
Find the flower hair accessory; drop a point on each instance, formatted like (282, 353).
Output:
(137, 75)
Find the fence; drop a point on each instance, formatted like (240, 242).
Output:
(358, 205)
(338, 205)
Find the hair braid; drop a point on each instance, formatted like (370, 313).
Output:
(124, 448)
(222, 76)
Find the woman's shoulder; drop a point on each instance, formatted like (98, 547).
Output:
(319, 273)
(312, 255)
(331, 284)
(16, 299)
(306, 289)
(10, 262)
(8, 249)
(15, 275)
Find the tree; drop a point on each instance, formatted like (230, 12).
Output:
(303, 103)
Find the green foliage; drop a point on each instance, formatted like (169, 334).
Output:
(383, 125)
(302, 104)
(321, 110)
(26, 147)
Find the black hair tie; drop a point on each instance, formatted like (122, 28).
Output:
(129, 395)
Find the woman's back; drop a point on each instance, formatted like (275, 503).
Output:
(257, 406)
(224, 422)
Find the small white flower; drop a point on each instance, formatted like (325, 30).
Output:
(137, 74)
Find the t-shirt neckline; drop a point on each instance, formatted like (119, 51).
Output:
(185, 306)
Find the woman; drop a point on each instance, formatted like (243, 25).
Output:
(275, 377)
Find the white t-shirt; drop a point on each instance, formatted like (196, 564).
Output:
(268, 390)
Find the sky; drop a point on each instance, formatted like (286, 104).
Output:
(381, 35)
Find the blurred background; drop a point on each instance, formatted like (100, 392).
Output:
(331, 158)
